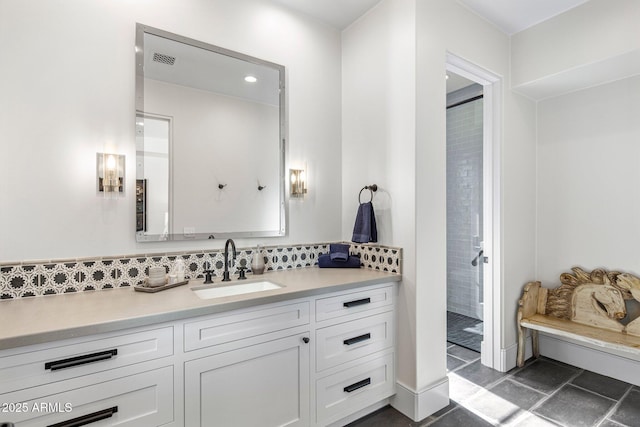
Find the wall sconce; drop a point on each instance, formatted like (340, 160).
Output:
(298, 182)
(110, 173)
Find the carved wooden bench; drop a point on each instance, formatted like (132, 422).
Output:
(586, 307)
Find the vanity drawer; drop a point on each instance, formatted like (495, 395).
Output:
(144, 399)
(348, 341)
(228, 328)
(354, 303)
(36, 365)
(351, 390)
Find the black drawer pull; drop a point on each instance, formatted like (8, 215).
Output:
(359, 384)
(357, 339)
(80, 360)
(357, 302)
(87, 419)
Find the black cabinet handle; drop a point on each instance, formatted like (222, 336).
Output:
(357, 302)
(306, 340)
(356, 386)
(80, 360)
(357, 339)
(87, 419)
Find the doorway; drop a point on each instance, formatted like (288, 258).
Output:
(153, 170)
(485, 228)
(465, 255)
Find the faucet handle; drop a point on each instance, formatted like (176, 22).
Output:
(241, 272)
(207, 276)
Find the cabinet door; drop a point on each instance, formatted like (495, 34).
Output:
(141, 400)
(348, 341)
(355, 304)
(361, 384)
(225, 330)
(261, 385)
(61, 360)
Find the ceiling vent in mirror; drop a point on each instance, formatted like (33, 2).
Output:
(164, 59)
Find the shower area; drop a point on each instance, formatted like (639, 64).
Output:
(464, 213)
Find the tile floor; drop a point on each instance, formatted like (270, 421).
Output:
(464, 331)
(542, 393)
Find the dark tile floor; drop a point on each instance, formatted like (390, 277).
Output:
(542, 393)
(464, 331)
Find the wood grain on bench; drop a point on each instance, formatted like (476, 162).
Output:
(586, 307)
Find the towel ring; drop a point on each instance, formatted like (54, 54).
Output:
(372, 188)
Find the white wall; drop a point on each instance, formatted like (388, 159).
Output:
(594, 43)
(378, 81)
(595, 31)
(445, 26)
(588, 179)
(68, 92)
(394, 95)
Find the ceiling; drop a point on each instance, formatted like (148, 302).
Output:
(455, 82)
(335, 13)
(510, 16)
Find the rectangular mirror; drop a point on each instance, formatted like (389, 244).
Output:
(210, 133)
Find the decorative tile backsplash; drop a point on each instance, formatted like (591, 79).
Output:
(28, 279)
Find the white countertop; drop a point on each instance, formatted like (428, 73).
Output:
(32, 320)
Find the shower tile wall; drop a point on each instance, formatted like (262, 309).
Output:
(464, 204)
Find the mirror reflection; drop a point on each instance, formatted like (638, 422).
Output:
(209, 141)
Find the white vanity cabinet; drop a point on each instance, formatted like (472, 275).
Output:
(124, 379)
(252, 367)
(249, 367)
(311, 361)
(355, 348)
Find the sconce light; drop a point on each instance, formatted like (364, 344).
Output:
(110, 173)
(298, 182)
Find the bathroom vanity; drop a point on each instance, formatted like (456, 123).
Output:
(311, 353)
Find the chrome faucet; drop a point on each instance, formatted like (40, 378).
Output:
(225, 275)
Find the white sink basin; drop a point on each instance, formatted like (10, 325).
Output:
(217, 291)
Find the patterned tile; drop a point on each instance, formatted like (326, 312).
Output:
(378, 257)
(93, 274)
(5, 271)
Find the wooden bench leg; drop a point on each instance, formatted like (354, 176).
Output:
(535, 343)
(520, 357)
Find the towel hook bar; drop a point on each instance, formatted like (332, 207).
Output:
(372, 188)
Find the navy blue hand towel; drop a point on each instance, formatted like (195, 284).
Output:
(339, 252)
(365, 229)
(325, 261)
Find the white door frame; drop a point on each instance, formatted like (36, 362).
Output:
(492, 125)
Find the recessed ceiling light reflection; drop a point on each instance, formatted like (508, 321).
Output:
(250, 79)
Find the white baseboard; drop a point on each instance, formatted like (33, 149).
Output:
(419, 405)
(577, 354)
(591, 359)
(509, 355)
